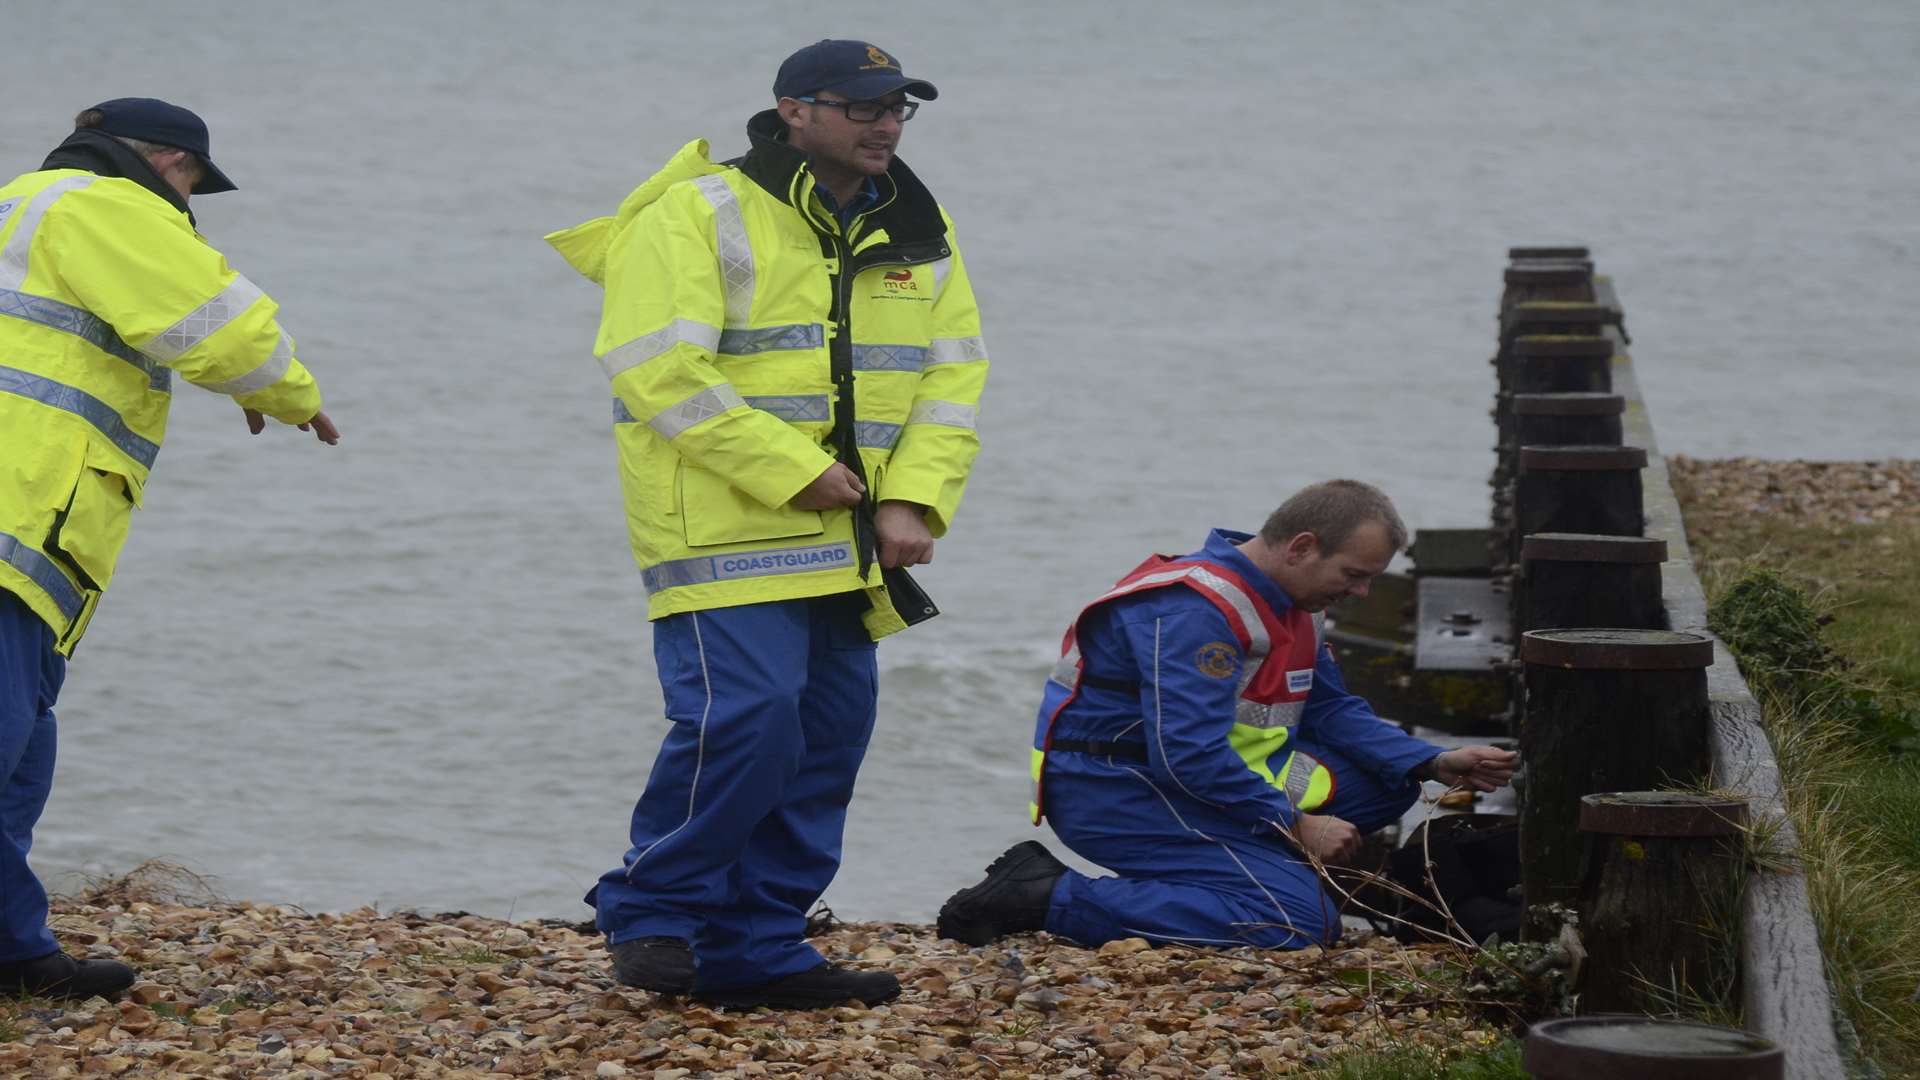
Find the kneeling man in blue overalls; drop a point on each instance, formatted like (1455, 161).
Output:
(1196, 739)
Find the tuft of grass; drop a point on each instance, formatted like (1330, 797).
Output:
(1822, 621)
(1411, 1061)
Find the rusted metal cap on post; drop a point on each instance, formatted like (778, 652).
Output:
(1581, 458)
(1593, 547)
(1640, 1048)
(1569, 251)
(1617, 650)
(1661, 813)
(1577, 403)
(1560, 345)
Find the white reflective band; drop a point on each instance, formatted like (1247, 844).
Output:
(772, 338)
(794, 408)
(701, 569)
(941, 268)
(943, 413)
(42, 572)
(271, 370)
(704, 405)
(1299, 776)
(204, 321)
(889, 358)
(13, 259)
(736, 253)
(1284, 714)
(875, 434)
(1319, 633)
(1258, 643)
(87, 327)
(1067, 671)
(647, 346)
(957, 350)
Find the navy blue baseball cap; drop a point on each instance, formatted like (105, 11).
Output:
(855, 70)
(155, 121)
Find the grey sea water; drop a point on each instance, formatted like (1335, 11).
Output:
(1223, 248)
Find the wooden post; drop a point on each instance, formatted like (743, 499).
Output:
(1571, 580)
(1606, 710)
(1562, 364)
(1580, 489)
(1566, 279)
(1566, 419)
(1525, 253)
(1663, 872)
(1640, 1048)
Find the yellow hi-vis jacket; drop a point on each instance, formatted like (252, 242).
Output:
(727, 290)
(105, 291)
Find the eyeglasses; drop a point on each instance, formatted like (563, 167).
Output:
(866, 112)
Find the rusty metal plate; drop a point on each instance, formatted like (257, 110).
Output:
(1569, 404)
(1661, 813)
(1560, 345)
(1617, 650)
(1464, 625)
(1581, 458)
(1641, 1048)
(1593, 547)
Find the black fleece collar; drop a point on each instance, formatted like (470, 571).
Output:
(908, 212)
(103, 155)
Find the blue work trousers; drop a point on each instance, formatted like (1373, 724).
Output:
(738, 831)
(30, 677)
(1186, 872)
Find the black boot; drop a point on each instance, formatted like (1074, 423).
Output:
(817, 988)
(661, 964)
(57, 975)
(1015, 896)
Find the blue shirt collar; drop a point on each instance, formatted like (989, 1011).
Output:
(1220, 548)
(861, 202)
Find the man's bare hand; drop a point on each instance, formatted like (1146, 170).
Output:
(319, 424)
(1482, 768)
(905, 539)
(1327, 838)
(831, 490)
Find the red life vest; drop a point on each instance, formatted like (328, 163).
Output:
(1278, 649)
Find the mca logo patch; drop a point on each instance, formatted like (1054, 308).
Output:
(1216, 659)
(1299, 682)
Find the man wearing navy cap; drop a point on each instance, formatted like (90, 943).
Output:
(106, 292)
(796, 362)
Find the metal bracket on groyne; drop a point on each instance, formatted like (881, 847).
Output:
(1585, 583)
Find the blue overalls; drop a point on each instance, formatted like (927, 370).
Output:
(1171, 808)
(30, 677)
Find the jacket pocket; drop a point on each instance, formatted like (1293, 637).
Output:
(715, 512)
(90, 532)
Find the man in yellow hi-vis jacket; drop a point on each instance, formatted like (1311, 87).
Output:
(797, 365)
(106, 291)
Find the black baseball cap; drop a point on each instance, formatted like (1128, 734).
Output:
(855, 70)
(155, 121)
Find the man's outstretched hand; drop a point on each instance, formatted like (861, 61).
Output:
(1482, 768)
(320, 425)
(1327, 838)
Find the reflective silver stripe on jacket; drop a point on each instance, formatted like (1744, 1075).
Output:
(271, 370)
(647, 346)
(1299, 776)
(941, 268)
(889, 358)
(204, 321)
(82, 404)
(1284, 714)
(13, 258)
(1067, 671)
(1258, 643)
(1319, 634)
(86, 326)
(772, 339)
(704, 405)
(745, 564)
(875, 435)
(957, 350)
(794, 408)
(620, 413)
(42, 572)
(944, 413)
(736, 252)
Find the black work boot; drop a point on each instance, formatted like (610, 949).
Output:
(817, 988)
(1015, 896)
(661, 964)
(57, 975)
